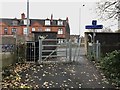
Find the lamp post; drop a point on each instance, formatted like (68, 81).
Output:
(27, 35)
(80, 19)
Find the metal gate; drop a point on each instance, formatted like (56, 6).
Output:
(30, 51)
(51, 51)
(47, 50)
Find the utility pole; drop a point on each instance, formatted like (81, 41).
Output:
(28, 20)
(80, 18)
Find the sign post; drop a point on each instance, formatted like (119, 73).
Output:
(94, 26)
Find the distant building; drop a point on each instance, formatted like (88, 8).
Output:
(18, 27)
(74, 38)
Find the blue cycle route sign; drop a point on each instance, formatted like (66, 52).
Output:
(94, 25)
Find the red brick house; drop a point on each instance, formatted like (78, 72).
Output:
(18, 27)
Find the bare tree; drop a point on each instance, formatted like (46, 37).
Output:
(117, 31)
(108, 9)
(106, 30)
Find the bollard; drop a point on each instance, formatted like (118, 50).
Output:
(70, 50)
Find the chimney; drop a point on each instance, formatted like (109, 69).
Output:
(22, 16)
(51, 17)
(67, 19)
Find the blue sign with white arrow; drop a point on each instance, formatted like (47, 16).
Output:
(94, 25)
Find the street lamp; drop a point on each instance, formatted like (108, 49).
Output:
(80, 15)
(80, 19)
(27, 35)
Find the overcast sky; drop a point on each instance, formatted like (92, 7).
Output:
(78, 15)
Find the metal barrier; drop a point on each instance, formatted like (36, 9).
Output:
(51, 50)
(78, 50)
(30, 51)
(94, 51)
(48, 50)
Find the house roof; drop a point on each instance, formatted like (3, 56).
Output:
(9, 21)
(54, 22)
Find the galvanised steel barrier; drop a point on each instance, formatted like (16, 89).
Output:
(48, 50)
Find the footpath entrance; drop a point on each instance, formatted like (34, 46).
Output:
(45, 47)
(48, 50)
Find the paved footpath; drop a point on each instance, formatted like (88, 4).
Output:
(81, 74)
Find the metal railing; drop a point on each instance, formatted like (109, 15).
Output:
(94, 51)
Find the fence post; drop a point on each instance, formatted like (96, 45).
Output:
(66, 48)
(34, 53)
(97, 49)
(40, 49)
(70, 50)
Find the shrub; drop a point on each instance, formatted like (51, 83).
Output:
(111, 66)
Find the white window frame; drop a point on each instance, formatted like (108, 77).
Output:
(60, 31)
(25, 22)
(33, 29)
(14, 30)
(60, 22)
(15, 23)
(5, 30)
(60, 41)
(47, 29)
(47, 22)
(25, 30)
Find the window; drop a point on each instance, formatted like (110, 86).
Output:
(25, 22)
(33, 29)
(5, 30)
(39, 29)
(24, 30)
(47, 29)
(60, 31)
(15, 23)
(60, 22)
(60, 41)
(47, 22)
(14, 31)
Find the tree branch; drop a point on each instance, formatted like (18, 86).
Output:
(109, 5)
